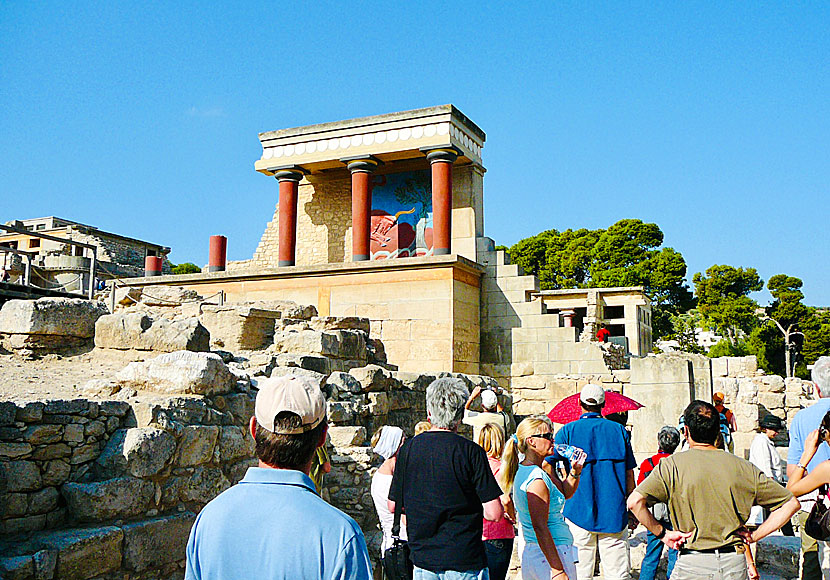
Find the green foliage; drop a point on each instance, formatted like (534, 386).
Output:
(726, 347)
(685, 328)
(787, 308)
(186, 268)
(626, 254)
(722, 299)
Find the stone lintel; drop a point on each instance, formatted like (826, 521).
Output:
(390, 137)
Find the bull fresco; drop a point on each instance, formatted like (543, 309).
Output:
(402, 216)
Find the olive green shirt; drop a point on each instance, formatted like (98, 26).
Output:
(710, 493)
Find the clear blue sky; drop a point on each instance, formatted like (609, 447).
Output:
(710, 119)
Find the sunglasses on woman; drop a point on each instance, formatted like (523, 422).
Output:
(549, 436)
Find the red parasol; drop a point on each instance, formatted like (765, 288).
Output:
(568, 409)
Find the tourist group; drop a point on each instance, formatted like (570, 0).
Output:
(451, 508)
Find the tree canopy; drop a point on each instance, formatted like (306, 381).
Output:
(628, 253)
(185, 268)
(722, 299)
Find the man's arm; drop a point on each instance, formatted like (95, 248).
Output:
(775, 520)
(672, 538)
(629, 481)
(472, 397)
(493, 510)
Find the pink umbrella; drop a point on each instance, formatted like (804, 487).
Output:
(568, 409)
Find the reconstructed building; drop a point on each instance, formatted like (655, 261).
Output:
(58, 263)
(383, 217)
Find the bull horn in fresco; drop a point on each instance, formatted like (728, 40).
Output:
(400, 213)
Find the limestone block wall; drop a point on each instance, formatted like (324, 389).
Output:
(324, 218)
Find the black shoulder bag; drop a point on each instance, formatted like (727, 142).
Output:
(818, 522)
(396, 563)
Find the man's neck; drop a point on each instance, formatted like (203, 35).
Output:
(306, 468)
(705, 446)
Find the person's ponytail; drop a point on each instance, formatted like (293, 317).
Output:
(509, 463)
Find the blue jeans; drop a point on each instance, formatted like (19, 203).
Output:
(498, 557)
(421, 574)
(654, 548)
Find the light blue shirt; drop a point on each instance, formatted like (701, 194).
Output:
(559, 530)
(805, 421)
(272, 525)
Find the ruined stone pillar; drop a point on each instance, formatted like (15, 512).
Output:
(361, 169)
(289, 178)
(218, 256)
(153, 265)
(441, 161)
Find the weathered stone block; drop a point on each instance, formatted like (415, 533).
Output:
(86, 553)
(43, 501)
(14, 504)
(41, 434)
(20, 476)
(343, 382)
(121, 497)
(147, 450)
(56, 472)
(73, 433)
(14, 450)
(138, 331)
(372, 378)
(154, 543)
(31, 412)
(378, 403)
(239, 327)
(167, 296)
(196, 445)
(339, 323)
(53, 451)
(206, 483)
(234, 445)
(17, 568)
(180, 372)
(282, 371)
(771, 400)
(773, 383)
(347, 436)
(73, 317)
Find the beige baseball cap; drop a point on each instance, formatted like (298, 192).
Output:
(297, 394)
(592, 394)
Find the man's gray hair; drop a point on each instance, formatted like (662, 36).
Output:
(445, 402)
(668, 439)
(821, 375)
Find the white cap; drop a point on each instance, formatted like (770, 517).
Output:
(489, 399)
(298, 394)
(592, 394)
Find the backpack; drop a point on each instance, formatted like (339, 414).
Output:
(660, 511)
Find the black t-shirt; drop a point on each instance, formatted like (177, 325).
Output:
(446, 478)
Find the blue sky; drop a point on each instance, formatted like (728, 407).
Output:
(710, 119)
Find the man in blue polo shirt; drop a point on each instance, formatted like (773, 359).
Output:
(596, 513)
(807, 420)
(272, 524)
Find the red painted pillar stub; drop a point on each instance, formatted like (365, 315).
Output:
(218, 254)
(152, 265)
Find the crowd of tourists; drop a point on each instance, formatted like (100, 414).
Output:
(451, 508)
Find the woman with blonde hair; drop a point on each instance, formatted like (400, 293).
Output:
(498, 536)
(549, 553)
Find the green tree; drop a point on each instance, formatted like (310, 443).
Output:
(685, 329)
(722, 298)
(626, 254)
(185, 268)
(787, 313)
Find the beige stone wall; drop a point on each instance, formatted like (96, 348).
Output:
(427, 316)
(324, 218)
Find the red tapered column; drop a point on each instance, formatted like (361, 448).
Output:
(441, 161)
(152, 265)
(362, 169)
(289, 184)
(218, 256)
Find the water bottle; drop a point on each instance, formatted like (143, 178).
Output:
(565, 451)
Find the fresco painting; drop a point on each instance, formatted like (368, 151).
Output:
(402, 216)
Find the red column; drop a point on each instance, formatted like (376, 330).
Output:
(362, 170)
(289, 181)
(441, 161)
(218, 256)
(152, 265)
